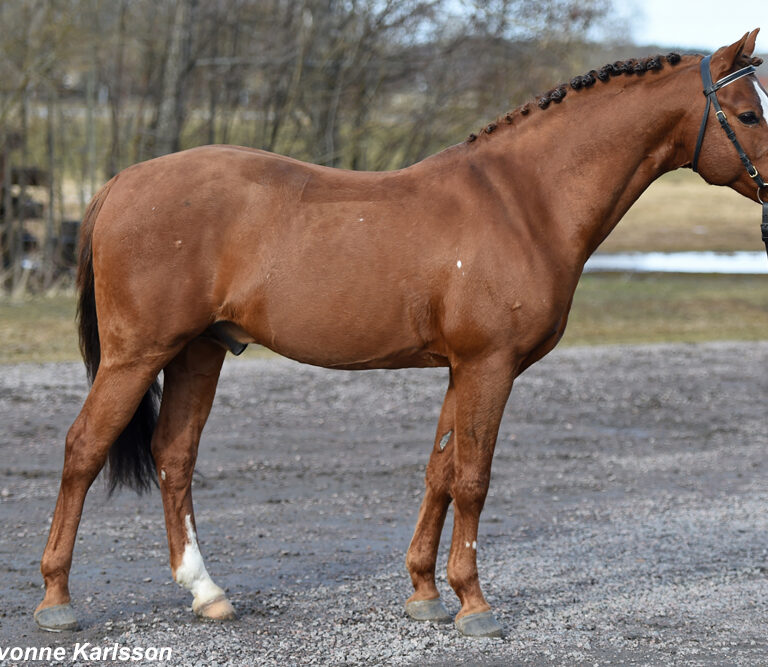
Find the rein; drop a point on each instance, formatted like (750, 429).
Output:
(710, 92)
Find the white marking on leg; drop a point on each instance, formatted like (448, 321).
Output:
(192, 575)
(763, 98)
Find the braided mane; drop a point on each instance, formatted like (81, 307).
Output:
(604, 74)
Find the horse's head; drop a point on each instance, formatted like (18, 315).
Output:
(744, 109)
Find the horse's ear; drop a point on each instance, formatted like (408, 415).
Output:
(738, 54)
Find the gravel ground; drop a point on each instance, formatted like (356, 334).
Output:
(626, 522)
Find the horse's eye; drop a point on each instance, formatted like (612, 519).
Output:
(749, 118)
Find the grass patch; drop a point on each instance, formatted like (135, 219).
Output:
(648, 308)
(681, 212)
(38, 329)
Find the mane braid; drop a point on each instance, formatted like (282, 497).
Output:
(604, 74)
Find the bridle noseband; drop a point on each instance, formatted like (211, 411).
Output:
(710, 92)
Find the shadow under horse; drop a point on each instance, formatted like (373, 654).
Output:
(467, 260)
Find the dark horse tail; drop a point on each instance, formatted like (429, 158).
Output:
(130, 461)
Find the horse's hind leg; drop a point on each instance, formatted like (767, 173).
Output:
(116, 392)
(425, 603)
(188, 390)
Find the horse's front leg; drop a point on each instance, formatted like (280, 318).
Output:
(425, 603)
(188, 390)
(482, 389)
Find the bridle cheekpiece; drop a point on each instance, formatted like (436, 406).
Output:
(710, 92)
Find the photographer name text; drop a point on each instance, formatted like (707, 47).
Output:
(86, 652)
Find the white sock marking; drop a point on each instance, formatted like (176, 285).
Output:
(192, 575)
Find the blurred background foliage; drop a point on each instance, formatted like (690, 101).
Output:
(88, 87)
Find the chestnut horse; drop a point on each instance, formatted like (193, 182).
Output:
(468, 259)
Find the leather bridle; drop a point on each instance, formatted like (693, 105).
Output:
(710, 92)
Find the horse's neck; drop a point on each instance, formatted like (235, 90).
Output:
(576, 168)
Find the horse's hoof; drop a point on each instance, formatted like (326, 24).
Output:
(218, 609)
(428, 610)
(481, 624)
(59, 618)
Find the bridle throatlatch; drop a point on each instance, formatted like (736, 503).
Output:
(710, 92)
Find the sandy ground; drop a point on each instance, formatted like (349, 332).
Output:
(626, 522)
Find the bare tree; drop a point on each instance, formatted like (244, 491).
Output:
(88, 87)
(170, 112)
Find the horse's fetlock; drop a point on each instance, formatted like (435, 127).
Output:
(461, 578)
(419, 563)
(52, 570)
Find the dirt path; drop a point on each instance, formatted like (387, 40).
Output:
(626, 520)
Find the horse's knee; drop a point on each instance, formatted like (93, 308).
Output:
(469, 493)
(439, 476)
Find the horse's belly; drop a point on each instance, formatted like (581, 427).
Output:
(346, 360)
(350, 347)
(341, 329)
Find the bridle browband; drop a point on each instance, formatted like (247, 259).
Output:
(710, 92)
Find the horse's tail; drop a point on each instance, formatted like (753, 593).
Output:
(130, 461)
